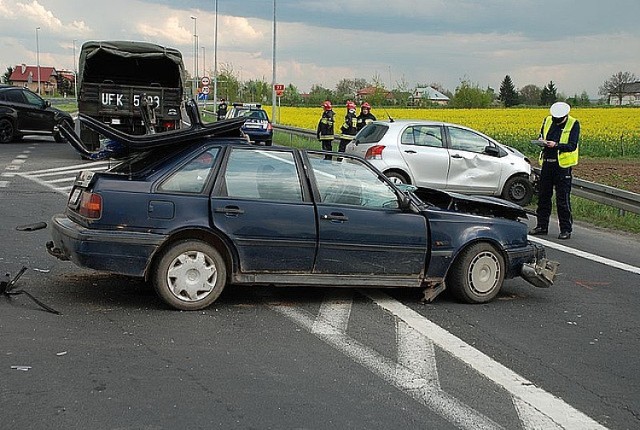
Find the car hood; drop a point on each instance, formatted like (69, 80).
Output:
(475, 205)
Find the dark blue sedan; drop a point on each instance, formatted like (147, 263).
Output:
(216, 211)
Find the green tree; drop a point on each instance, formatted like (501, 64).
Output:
(291, 96)
(257, 91)
(6, 78)
(228, 84)
(530, 95)
(346, 89)
(319, 94)
(549, 94)
(468, 95)
(508, 94)
(614, 86)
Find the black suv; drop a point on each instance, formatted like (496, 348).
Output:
(22, 112)
(257, 126)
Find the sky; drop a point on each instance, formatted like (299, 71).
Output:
(576, 44)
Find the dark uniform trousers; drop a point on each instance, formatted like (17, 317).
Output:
(553, 176)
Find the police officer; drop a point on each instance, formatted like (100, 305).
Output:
(222, 109)
(324, 132)
(559, 134)
(350, 126)
(365, 116)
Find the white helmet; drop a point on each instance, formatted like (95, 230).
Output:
(559, 109)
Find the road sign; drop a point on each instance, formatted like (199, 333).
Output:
(279, 89)
(202, 96)
(205, 81)
(205, 90)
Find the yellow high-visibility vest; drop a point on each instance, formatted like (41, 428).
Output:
(565, 159)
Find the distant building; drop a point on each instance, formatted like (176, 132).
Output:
(427, 95)
(367, 93)
(27, 76)
(631, 95)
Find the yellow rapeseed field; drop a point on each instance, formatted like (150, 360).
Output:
(605, 132)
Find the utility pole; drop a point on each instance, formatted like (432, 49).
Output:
(38, 57)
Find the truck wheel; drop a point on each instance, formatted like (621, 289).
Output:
(57, 136)
(477, 274)
(519, 190)
(190, 275)
(397, 178)
(6, 131)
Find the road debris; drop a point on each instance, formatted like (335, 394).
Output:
(7, 288)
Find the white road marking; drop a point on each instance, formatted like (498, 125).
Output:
(3, 184)
(334, 313)
(587, 255)
(68, 174)
(549, 407)
(401, 377)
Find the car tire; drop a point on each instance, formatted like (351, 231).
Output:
(477, 274)
(268, 143)
(57, 136)
(519, 190)
(7, 131)
(190, 275)
(397, 178)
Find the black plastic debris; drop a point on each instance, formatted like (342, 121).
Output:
(32, 227)
(7, 288)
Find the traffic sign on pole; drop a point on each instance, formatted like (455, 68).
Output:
(279, 88)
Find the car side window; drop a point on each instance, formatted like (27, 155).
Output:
(192, 177)
(15, 96)
(33, 99)
(264, 175)
(350, 182)
(466, 140)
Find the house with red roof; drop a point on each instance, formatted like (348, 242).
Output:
(27, 76)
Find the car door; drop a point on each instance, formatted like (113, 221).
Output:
(33, 114)
(260, 203)
(472, 170)
(423, 149)
(361, 230)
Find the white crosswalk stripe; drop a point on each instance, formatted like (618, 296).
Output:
(60, 179)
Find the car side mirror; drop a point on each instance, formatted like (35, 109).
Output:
(404, 202)
(47, 104)
(492, 150)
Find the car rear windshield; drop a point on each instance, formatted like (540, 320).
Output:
(372, 133)
(147, 162)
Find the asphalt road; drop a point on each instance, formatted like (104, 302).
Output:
(269, 358)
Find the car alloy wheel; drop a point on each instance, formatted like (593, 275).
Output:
(6, 131)
(477, 274)
(190, 275)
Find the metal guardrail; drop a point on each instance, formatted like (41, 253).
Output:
(604, 194)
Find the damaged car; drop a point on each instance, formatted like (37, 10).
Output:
(196, 210)
(446, 156)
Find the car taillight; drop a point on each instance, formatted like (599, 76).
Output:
(169, 125)
(90, 205)
(374, 153)
(269, 126)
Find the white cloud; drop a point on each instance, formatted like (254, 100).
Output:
(37, 13)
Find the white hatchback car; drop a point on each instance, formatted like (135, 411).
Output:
(445, 156)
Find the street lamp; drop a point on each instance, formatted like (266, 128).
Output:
(195, 54)
(215, 57)
(38, 57)
(273, 79)
(75, 71)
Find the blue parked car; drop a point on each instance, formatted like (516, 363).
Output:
(207, 212)
(257, 126)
